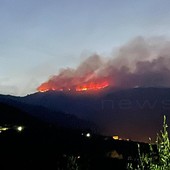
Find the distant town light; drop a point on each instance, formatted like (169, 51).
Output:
(19, 128)
(3, 128)
(88, 135)
(115, 137)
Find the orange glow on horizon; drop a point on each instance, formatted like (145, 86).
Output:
(92, 86)
(84, 87)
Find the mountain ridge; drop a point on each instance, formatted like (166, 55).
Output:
(135, 113)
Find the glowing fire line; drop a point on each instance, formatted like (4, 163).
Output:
(85, 87)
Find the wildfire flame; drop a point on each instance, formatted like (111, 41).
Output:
(86, 77)
(83, 87)
(92, 86)
(139, 63)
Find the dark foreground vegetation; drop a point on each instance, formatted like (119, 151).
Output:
(48, 147)
(152, 160)
(63, 149)
(27, 143)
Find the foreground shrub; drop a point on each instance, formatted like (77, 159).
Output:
(153, 161)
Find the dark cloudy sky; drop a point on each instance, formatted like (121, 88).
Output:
(38, 37)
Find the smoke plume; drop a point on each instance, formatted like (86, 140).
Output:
(141, 62)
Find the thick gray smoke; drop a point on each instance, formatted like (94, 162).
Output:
(141, 62)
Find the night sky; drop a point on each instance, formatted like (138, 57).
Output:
(38, 38)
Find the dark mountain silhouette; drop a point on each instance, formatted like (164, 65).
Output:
(130, 113)
(13, 111)
(10, 115)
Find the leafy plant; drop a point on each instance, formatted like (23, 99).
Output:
(72, 163)
(152, 161)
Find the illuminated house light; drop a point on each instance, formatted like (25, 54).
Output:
(19, 128)
(88, 135)
(3, 128)
(115, 137)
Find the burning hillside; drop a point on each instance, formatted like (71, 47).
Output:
(141, 62)
(85, 77)
(97, 85)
